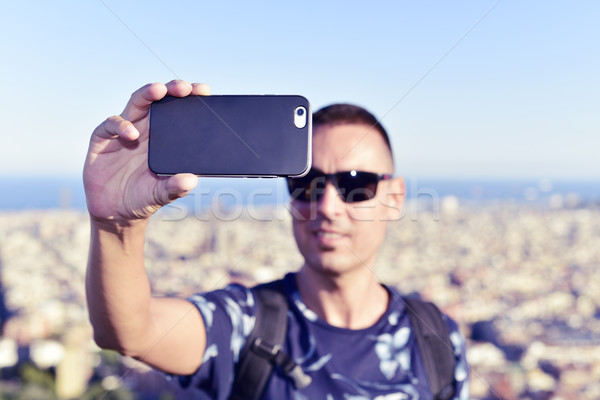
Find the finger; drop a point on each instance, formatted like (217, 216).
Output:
(200, 89)
(179, 185)
(179, 88)
(116, 126)
(138, 105)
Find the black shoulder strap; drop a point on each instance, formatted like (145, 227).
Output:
(264, 347)
(434, 343)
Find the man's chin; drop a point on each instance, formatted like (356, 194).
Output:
(329, 263)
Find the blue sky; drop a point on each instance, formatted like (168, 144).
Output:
(467, 89)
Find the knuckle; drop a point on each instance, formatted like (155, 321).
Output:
(114, 124)
(179, 84)
(142, 89)
(113, 119)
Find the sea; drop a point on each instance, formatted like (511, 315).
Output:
(35, 193)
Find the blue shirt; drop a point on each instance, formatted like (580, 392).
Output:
(380, 362)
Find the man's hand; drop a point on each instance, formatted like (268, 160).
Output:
(119, 186)
(167, 333)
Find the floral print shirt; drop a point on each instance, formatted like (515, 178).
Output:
(381, 362)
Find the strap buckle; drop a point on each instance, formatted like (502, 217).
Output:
(277, 356)
(265, 350)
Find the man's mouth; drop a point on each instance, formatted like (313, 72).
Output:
(328, 239)
(328, 235)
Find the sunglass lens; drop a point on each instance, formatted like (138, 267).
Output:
(357, 186)
(353, 186)
(308, 188)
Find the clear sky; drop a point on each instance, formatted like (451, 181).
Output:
(467, 89)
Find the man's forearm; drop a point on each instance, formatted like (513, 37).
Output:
(117, 286)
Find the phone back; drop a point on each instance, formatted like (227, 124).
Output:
(241, 135)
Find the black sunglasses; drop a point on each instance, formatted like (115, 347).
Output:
(352, 186)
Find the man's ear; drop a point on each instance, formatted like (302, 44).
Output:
(393, 199)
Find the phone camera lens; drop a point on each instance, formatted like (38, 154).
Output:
(300, 117)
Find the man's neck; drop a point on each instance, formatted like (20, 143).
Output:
(354, 300)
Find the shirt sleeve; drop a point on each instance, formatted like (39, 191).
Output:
(229, 316)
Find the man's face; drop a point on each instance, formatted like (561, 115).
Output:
(337, 237)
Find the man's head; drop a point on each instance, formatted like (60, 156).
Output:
(350, 114)
(340, 220)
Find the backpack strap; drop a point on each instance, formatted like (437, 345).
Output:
(434, 344)
(264, 347)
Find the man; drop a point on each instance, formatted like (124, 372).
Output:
(348, 332)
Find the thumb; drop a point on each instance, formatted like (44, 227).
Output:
(180, 185)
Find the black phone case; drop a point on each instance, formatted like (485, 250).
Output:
(241, 135)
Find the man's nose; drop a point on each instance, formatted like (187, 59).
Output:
(330, 203)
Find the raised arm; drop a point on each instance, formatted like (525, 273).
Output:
(122, 194)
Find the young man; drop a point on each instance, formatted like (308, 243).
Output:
(348, 332)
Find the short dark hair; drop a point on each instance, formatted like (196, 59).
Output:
(336, 114)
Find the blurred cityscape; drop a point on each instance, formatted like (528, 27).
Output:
(521, 280)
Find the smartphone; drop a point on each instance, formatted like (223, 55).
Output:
(230, 135)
